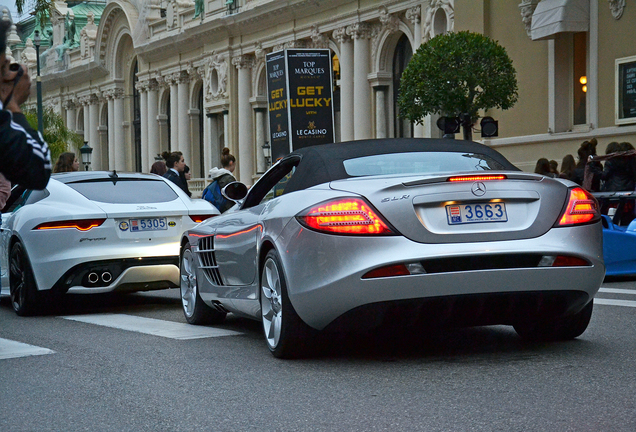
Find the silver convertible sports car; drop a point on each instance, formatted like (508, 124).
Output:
(409, 231)
(94, 232)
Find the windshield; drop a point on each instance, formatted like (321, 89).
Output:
(125, 191)
(419, 163)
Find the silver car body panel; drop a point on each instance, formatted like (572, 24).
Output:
(324, 271)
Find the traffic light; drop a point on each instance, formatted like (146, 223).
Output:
(449, 125)
(489, 127)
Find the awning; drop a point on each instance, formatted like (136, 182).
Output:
(559, 16)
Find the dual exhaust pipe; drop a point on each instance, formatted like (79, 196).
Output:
(94, 278)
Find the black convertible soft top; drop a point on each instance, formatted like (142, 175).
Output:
(324, 163)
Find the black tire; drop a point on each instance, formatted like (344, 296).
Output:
(194, 308)
(565, 328)
(25, 298)
(286, 335)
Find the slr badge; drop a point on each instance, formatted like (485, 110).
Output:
(478, 189)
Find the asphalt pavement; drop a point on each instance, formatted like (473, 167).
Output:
(124, 363)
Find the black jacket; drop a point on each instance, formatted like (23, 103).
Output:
(26, 159)
(178, 180)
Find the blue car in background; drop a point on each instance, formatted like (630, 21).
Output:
(619, 232)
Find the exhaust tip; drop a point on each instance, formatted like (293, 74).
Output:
(107, 277)
(93, 277)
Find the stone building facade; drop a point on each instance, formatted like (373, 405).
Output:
(138, 77)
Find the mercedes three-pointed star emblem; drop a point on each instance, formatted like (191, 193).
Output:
(478, 189)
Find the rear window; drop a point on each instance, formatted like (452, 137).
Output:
(419, 163)
(125, 191)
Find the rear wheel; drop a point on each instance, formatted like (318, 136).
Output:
(565, 328)
(24, 292)
(286, 334)
(194, 308)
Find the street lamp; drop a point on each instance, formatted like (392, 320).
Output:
(267, 154)
(86, 151)
(36, 42)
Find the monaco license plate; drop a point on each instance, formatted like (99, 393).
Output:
(150, 224)
(476, 213)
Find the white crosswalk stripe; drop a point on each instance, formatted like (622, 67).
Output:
(627, 302)
(12, 349)
(151, 326)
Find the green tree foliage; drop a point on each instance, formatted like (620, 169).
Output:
(456, 75)
(60, 138)
(40, 7)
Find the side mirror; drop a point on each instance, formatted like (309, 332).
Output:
(234, 191)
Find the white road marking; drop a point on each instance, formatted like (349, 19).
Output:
(612, 302)
(617, 291)
(12, 349)
(151, 326)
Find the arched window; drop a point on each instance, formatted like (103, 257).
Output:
(402, 56)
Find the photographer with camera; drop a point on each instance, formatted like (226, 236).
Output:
(25, 157)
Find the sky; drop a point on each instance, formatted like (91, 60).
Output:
(11, 5)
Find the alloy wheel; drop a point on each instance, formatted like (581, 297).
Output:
(271, 303)
(188, 283)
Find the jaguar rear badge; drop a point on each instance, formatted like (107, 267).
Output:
(478, 189)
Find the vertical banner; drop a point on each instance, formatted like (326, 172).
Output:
(300, 96)
(277, 98)
(310, 97)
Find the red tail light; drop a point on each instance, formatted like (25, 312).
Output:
(581, 208)
(477, 178)
(82, 225)
(388, 271)
(201, 218)
(345, 216)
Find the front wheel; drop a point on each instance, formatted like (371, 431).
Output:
(565, 328)
(23, 290)
(286, 334)
(194, 308)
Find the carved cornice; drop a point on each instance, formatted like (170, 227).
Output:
(341, 35)
(360, 30)
(388, 21)
(414, 14)
(318, 39)
(527, 8)
(617, 7)
(244, 61)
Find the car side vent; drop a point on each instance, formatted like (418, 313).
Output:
(207, 260)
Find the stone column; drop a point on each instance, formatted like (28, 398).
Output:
(261, 135)
(226, 128)
(153, 124)
(70, 107)
(174, 111)
(244, 65)
(84, 101)
(212, 146)
(118, 135)
(380, 112)
(111, 131)
(414, 15)
(184, 145)
(142, 88)
(346, 84)
(360, 32)
(94, 133)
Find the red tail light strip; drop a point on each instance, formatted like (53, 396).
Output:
(581, 208)
(345, 216)
(477, 178)
(200, 218)
(82, 225)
